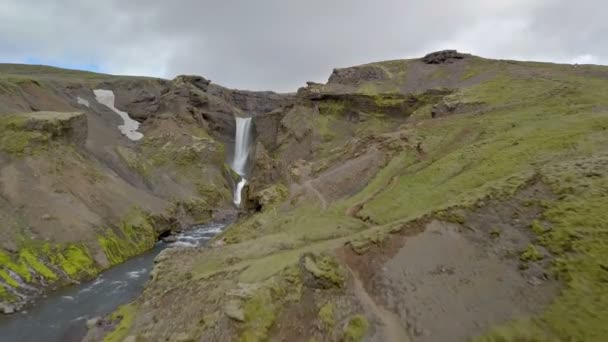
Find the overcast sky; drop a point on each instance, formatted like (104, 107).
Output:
(280, 44)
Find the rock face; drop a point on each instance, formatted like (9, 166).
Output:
(71, 127)
(444, 56)
(357, 75)
(71, 184)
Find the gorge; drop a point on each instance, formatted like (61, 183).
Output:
(448, 197)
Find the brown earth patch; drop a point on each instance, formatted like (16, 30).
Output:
(450, 281)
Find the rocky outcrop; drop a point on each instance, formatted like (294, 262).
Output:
(357, 75)
(71, 127)
(444, 56)
(197, 81)
(267, 127)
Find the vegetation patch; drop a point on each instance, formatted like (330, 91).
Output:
(355, 329)
(16, 140)
(327, 316)
(324, 269)
(133, 236)
(123, 318)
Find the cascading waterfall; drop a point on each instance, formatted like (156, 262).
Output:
(242, 144)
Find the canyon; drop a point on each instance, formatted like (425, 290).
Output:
(450, 197)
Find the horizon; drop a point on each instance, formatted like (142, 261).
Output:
(97, 70)
(297, 42)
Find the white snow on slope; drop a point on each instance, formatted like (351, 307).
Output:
(130, 126)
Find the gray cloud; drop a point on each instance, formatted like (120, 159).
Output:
(278, 44)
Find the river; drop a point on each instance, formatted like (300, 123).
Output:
(62, 316)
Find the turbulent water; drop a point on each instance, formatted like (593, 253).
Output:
(242, 145)
(62, 316)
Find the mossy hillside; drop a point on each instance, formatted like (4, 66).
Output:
(133, 236)
(303, 224)
(474, 155)
(38, 262)
(262, 308)
(17, 141)
(528, 129)
(577, 226)
(42, 74)
(33, 133)
(195, 161)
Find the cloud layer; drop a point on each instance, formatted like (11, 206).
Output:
(278, 44)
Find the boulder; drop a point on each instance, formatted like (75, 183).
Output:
(7, 309)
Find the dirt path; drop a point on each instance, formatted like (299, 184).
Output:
(392, 329)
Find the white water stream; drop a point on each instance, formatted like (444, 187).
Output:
(242, 145)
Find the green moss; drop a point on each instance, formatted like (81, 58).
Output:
(132, 160)
(15, 140)
(198, 208)
(355, 329)
(521, 330)
(30, 257)
(331, 107)
(369, 88)
(125, 316)
(133, 236)
(537, 227)
(272, 196)
(260, 314)
(53, 263)
(325, 267)
(327, 315)
(212, 193)
(451, 216)
(531, 253)
(361, 243)
(75, 261)
(8, 279)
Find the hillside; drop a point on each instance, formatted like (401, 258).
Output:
(441, 199)
(79, 194)
(446, 198)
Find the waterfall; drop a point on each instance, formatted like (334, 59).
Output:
(242, 144)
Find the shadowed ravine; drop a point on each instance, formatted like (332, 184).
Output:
(62, 316)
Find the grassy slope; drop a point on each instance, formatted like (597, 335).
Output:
(538, 120)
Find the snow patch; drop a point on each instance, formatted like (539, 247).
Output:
(130, 126)
(82, 101)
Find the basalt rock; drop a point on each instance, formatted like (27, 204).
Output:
(444, 56)
(357, 75)
(197, 81)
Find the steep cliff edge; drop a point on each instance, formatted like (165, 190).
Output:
(444, 198)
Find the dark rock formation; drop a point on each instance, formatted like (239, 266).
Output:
(356, 75)
(444, 56)
(267, 128)
(197, 81)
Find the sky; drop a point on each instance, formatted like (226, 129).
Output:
(280, 44)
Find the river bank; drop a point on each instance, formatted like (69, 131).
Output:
(62, 315)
